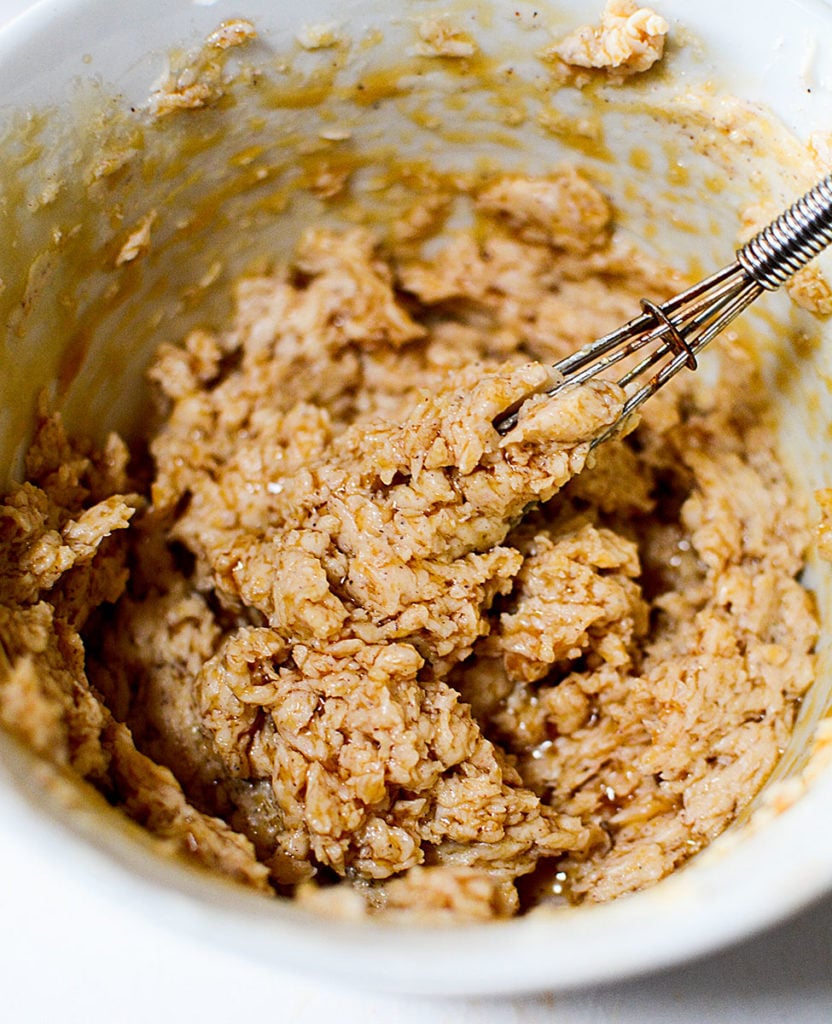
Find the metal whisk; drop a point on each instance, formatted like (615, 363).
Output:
(674, 333)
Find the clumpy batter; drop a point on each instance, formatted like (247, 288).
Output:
(628, 40)
(336, 638)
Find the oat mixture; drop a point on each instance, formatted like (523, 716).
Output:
(628, 41)
(333, 637)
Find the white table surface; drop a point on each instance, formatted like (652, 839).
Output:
(72, 956)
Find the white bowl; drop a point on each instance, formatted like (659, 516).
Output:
(76, 56)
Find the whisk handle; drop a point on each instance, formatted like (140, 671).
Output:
(790, 241)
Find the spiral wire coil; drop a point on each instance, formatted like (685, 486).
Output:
(674, 333)
(789, 242)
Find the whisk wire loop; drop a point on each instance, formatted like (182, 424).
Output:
(674, 332)
(674, 339)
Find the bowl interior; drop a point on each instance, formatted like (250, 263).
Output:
(226, 189)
